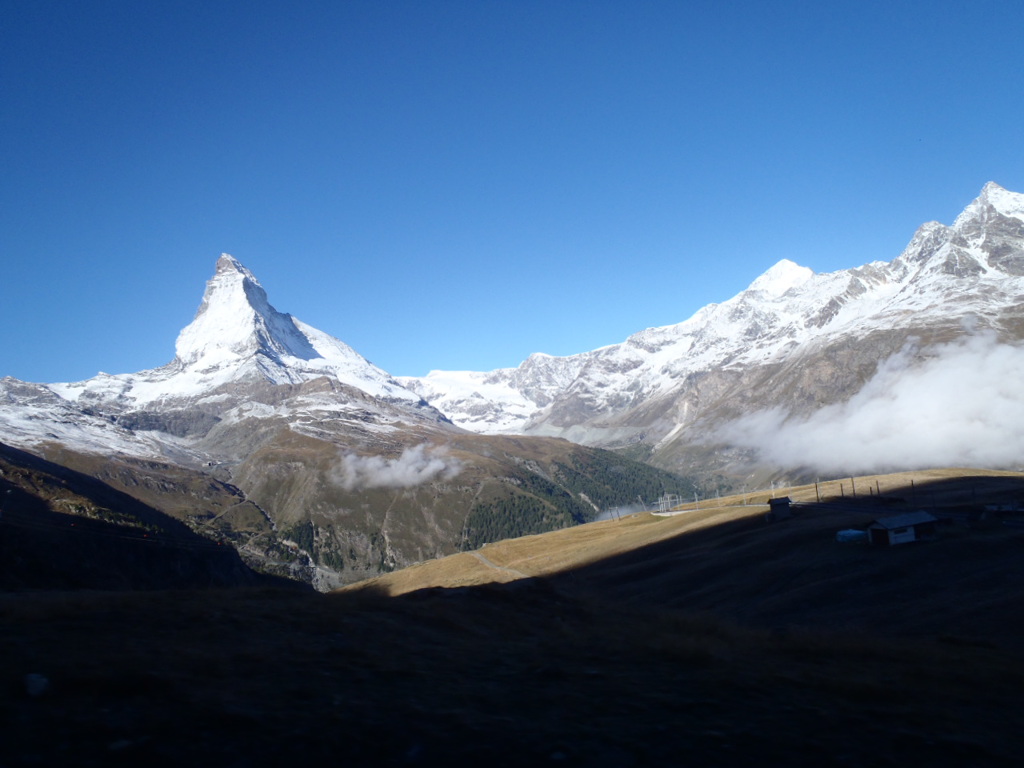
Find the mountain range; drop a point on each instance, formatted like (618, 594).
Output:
(718, 393)
(283, 441)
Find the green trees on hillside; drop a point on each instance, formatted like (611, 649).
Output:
(610, 480)
(536, 504)
(517, 515)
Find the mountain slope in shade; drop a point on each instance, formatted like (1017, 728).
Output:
(66, 530)
(792, 339)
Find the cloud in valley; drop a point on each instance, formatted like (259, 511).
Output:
(956, 404)
(417, 465)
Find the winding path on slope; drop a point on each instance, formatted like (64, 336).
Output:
(497, 567)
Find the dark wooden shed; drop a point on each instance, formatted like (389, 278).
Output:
(779, 509)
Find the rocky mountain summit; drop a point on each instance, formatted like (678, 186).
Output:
(792, 343)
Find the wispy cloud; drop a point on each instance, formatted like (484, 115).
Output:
(955, 404)
(417, 465)
(616, 512)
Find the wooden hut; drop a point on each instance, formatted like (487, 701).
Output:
(902, 529)
(779, 509)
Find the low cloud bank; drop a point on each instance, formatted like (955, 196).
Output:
(616, 512)
(961, 405)
(417, 465)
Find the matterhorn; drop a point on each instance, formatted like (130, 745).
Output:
(283, 441)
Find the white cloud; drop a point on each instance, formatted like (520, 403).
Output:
(956, 404)
(415, 466)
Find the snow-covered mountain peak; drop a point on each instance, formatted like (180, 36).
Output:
(642, 388)
(928, 238)
(236, 319)
(237, 331)
(780, 278)
(994, 201)
(237, 335)
(1003, 200)
(228, 263)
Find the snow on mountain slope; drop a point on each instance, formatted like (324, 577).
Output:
(972, 269)
(498, 402)
(237, 335)
(240, 365)
(32, 415)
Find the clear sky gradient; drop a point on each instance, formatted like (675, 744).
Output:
(456, 185)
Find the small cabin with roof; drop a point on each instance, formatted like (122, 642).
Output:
(902, 529)
(779, 509)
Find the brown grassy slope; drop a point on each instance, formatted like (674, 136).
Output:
(725, 559)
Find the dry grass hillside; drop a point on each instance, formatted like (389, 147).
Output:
(708, 638)
(721, 556)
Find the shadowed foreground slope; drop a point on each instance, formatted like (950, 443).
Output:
(602, 665)
(62, 529)
(511, 676)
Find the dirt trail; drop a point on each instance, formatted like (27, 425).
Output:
(497, 567)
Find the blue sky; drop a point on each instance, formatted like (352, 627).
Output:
(456, 185)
